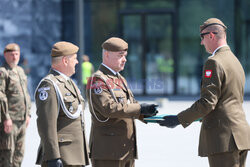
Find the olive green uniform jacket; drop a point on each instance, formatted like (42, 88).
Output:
(224, 126)
(61, 137)
(113, 135)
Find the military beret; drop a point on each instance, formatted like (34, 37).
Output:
(63, 48)
(11, 47)
(212, 21)
(115, 44)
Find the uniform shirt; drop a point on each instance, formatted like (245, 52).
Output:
(14, 93)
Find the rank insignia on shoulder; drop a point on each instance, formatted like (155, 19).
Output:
(98, 90)
(43, 95)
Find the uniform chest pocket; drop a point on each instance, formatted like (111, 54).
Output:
(63, 138)
(71, 103)
(120, 96)
(14, 84)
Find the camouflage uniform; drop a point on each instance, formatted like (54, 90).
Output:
(15, 105)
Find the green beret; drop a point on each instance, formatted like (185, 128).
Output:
(63, 48)
(212, 21)
(11, 47)
(115, 44)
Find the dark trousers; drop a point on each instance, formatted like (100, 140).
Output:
(229, 159)
(113, 163)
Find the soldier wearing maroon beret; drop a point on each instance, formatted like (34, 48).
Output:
(225, 132)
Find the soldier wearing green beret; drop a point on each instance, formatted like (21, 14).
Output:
(60, 109)
(114, 109)
(15, 106)
(225, 132)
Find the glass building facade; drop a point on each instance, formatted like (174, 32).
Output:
(165, 56)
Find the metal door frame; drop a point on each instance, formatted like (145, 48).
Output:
(143, 13)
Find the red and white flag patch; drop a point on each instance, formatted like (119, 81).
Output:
(208, 73)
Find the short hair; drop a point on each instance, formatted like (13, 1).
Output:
(56, 60)
(221, 31)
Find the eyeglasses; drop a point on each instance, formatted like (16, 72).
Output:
(205, 33)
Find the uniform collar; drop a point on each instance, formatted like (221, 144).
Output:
(63, 75)
(115, 73)
(8, 66)
(217, 49)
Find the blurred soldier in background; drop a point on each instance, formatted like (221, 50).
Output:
(225, 132)
(59, 109)
(87, 71)
(114, 109)
(15, 108)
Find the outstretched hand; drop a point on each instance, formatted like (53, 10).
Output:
(170, 121)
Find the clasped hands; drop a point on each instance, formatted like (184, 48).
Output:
(149, 110)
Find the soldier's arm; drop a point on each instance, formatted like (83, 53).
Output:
(104, 103)
(47, 113)
(27, 95)
(212, 78)
(3, 108)
(3, 98)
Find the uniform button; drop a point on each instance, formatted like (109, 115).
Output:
(124, 145)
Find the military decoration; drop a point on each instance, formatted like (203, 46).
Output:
(71, 108)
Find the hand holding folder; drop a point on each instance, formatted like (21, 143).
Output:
(170, 121)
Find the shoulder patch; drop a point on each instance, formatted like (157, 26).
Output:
(43, 95)
(208, 73)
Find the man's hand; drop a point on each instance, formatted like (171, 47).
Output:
(7, 125)
(148, 109)
(170, 121)
(55, 163)
(27, 121)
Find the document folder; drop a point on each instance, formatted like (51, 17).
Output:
(156, 118)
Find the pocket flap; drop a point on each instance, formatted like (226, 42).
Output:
(69, 99)
(65, 138)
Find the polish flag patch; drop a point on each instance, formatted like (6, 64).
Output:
(208, 73)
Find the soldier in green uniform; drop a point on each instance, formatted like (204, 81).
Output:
(59, 109)
(225, 132)
(114, 109)
(15, 108)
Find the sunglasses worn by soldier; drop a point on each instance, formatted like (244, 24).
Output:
(205, 33)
